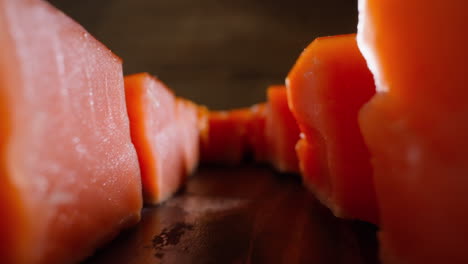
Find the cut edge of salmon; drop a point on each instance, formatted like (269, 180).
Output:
(234, 143)
(11, 243)
(257, 143)
(282, 138)
(326, 190)
(133, 95)
(191, 145)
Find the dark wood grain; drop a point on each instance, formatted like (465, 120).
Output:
(242, 215)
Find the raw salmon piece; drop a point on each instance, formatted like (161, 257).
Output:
(156, 133)
(234, 135)
(226, 142)
(314, 178)
(257, 142)
(267, 131)
(327, 87)
(190, 127)
(69, 173)
(416, 126)
(282, 131)
(203, 115)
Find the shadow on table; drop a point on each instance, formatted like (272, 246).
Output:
(242, 215)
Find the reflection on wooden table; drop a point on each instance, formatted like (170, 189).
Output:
(242, 215)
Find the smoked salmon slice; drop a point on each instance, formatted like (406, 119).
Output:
(416, 126)
(163, 139)
(69, 173)
(282, 131)
(328, 85)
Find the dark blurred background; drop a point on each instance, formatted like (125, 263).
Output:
(221, 53)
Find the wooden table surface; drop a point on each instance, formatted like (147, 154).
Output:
(242, 215)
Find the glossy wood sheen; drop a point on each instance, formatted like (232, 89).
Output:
(242, 215)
